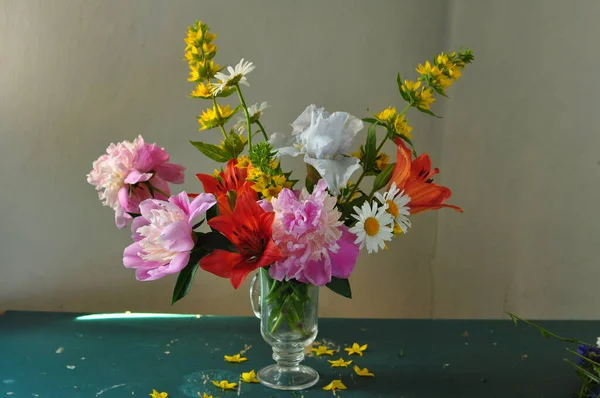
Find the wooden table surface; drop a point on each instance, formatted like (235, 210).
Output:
(63, 355)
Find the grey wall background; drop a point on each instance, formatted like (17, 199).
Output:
(517, 144)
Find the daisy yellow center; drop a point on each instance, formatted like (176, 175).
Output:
(392, 208)
(371, 226)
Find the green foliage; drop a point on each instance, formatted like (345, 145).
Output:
(186, 275)
(370, 148)
(340, 286)
(262, 155)
(214, 152)
(384, 177)
(233, 145)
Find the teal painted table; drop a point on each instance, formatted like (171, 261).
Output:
(56, 355)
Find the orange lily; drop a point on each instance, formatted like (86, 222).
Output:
(414, 177)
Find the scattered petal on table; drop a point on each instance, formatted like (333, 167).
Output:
(335, 385)
(249, 377)
(237, 358)
(205, 395)
(356, 349)
(156, 394)
(338, 363)
(363, 372)
(224, 384)
(322, 350)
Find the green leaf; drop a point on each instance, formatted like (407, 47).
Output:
(312, 177)
(134, 215)
(404, 95)
(384, 177)
(427, 111)
(214, 240)
(370, 120)
(212, 151)
(233, 145)
(440, 91)
(371, 148)
(340, 286)
(349, 208)
(212, 212)
(186, 275)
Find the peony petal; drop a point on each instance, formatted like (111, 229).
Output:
(137, 223)
(265, 205)
(172, 173)
(161, 185)
(148, 156)
(335, 172)
(200, 205)
(317, 272)
(147, 206)
(182, 201)
(177, 237)
(178, 263)
(135, 176)
(121, 217)
(343, 262)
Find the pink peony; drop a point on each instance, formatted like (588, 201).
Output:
(308, 231)
(163, 235)
(131, 172)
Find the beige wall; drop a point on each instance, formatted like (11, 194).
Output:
(516, 145)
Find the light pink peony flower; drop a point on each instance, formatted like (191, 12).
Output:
(131, 172)
(308, 231)
(163, 235)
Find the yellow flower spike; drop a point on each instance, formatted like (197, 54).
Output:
(279, 180)
(387, 114)
(410, 86)
(194, 73)
(212, 117)
(339, 363)
(243, 162)
(356, 349)
(364, 372)
(381, 161)
(401, 126)
(271, 192)
(335, 385)
(322, 350)
(224, 384)
(156, 394)
(424, 98)
(205, 395)
(237, 358)
(249, 377)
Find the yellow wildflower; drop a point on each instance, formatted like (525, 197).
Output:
(205, 395)
(271, 192)
(356, 349)
(224, 384)
(338, 363)
(213, 117)
(335, 385)
(193, 54)
(274, 164)
(194, 73)
(401, 126)
(216, 173)
(387, 114)
(243, 162)
(381, 161)
(156, 394)
(410, 86)
(202, 91)
(279, 180)
(362, 372)
(357, 154)
(397, 229)
(424, 98)
(454, 72)
(237, 358)
(249, 377)
(322, 350)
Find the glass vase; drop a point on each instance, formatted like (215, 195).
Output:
(288, 313)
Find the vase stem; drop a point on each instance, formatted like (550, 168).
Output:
(288, 357)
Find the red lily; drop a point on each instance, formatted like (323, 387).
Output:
(232, 179)
(415, 178)
(249, 229)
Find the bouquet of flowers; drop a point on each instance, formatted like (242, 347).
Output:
(256, 217)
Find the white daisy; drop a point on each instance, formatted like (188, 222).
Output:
(237, 75)
(254, 111)
(374, 226)
(397, 207)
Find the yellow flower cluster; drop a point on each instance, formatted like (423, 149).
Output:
(269, 185)
(422, 97)
(215, 116)
(199, 52)
(398, 122)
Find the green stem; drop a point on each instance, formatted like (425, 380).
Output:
(214, 100)
(160, 191)
(263, 130)
(249, 125)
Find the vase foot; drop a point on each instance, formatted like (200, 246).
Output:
(291, 379)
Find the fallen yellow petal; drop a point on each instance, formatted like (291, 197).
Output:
(156, 394)
(340, 363)
(205, 395)
(249, 377)
(356, 349)
(224, 384)
(335, 385)
(363, 372)
(237, 358)
(322, 350)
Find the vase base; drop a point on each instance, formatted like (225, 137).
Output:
(291, 379)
